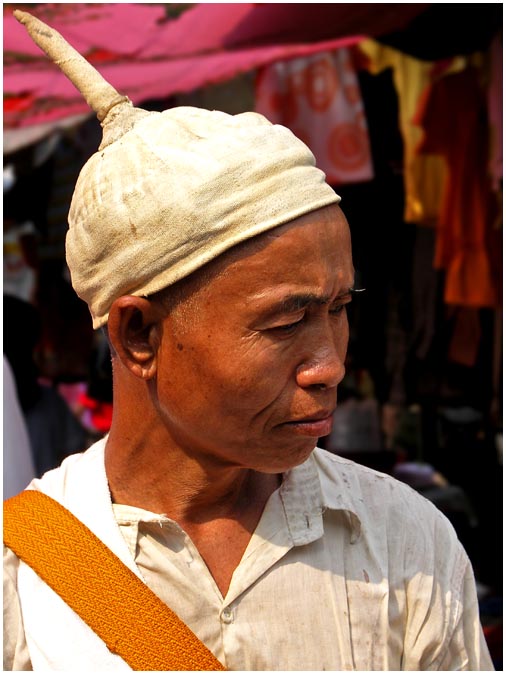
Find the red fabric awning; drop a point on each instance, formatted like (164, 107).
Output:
(146, 54)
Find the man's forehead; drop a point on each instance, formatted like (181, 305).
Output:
(301, 236)
(291, 283)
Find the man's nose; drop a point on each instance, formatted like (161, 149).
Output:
(324, 368)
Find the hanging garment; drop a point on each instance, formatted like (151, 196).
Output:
(453, 117)
(319, 99)
(424, 175)
(19, 277)
(495, 111)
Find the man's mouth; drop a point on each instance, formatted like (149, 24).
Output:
(314, 425)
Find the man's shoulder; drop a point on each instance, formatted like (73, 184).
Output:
(59, 481)
(376, 498)
(338, 470)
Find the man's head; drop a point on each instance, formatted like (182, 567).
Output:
(243, 361)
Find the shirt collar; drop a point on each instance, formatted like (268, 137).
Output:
(306, 492)
(310, 489)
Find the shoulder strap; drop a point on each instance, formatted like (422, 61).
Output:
(132, 621)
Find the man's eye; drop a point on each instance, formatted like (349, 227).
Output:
(335, 311)
(289, 327)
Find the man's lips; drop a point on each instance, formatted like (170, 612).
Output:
(315, 425)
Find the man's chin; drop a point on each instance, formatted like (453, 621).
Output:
(288, 459)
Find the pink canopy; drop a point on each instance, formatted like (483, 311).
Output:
(147, 54)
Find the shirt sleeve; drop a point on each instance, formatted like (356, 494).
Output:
(443, 630)
(15, 650)
(467, 649)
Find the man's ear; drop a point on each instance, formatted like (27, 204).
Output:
(135, 327)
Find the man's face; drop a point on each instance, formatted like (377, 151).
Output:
(249, 363)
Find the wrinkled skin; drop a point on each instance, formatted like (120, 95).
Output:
(237, 371)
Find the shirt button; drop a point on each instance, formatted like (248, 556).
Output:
(227, 615)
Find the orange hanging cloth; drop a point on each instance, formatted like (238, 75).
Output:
(452, 114)
(65, 554)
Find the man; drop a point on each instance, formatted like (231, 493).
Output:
(220, 263)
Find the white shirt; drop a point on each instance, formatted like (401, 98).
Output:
(348, 569)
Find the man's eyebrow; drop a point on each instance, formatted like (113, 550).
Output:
(300, 301)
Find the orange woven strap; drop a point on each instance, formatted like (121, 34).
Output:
(131, 620)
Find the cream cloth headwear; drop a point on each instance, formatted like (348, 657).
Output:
(168, 192)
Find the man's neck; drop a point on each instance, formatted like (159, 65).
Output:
(161, 478)
(218, 507)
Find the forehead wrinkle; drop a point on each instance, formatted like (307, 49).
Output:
(296, 301)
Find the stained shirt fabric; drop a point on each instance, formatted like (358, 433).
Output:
(348, 569)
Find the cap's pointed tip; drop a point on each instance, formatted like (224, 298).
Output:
(21, 16)
(101, 96)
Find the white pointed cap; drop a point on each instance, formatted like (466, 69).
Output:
(168, 192)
